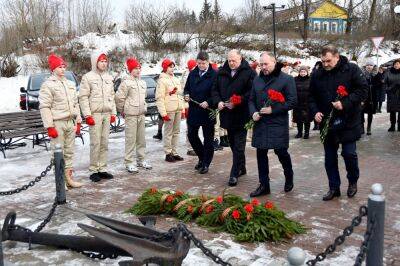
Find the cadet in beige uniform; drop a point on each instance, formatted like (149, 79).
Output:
(130, 101)
(170, 104)
(96, 97)
(59, 108)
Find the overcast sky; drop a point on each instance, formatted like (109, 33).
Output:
(227, 6)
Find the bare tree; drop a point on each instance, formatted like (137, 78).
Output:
(94, 16)
(150, 23)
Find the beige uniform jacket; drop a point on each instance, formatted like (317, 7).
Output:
(130, 97)
(169, 103)
(58, 100)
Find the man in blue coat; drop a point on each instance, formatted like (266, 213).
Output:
(271, 122)
(198, 88)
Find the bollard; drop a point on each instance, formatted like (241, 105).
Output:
(59, 174)
(296, 256)
(1, 252)
(376, 210)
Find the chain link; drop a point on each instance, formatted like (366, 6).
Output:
(201, 246)
(363, 211)
(48, 218)
(364, 245)
(30, 184)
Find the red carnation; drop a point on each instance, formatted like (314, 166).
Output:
(170, 198)
(276, 96)
(236, 215)
(178, 193)
(219, 199)
(341, 91)
(153, 190)
(269, 205)
(235, 99)
(249, 208)
(209, 208)
(255, 202)
(190, 209)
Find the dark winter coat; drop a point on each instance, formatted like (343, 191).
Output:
(392, 87)
(225, 86)
(272, 131)
(371, 103)
(301, 112)
(323, 87)
(377, 83)
(199, 89)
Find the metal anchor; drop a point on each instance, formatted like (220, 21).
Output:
(142, 243)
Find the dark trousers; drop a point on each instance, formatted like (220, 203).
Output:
(306, 127)
(204, 152)
(349, 154)
(369, 121)
(237, 142)
(393, 118)
(263, 165)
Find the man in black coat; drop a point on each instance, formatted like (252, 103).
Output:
(271, 126)
(234, 77)
(198, 88)
(345, 127)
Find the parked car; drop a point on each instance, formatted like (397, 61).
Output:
(28, 99)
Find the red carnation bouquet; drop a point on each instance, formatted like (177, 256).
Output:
(341, 93)
(234, 100)
(273, 97)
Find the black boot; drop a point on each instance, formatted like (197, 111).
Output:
(299, 131)
(391, 128)
(332, 193)
(316, 126)
(261, 190)
(199, 165)
(362, 129)
(170, 158)
(369, 130)
(352, 190)
(216, 145)
(158, 135)
(224, 141)
(95, 177)
(306, 130)
(105, 175)
(232, 181)
(288, 184)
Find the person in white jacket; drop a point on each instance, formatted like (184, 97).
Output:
(96, 98)
(130, 101)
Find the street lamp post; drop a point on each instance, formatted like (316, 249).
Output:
(273, 7)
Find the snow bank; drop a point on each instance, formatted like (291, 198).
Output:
(9, 93)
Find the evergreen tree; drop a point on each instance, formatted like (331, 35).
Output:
(217, 11)
(205, 13)
(193, 19)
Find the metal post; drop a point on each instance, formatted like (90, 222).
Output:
(376, 212)
(274, 27)
(296, 256)
(1, 252)
(59, 174)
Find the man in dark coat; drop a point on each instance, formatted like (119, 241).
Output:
(392, 87)
(377, 83)
(198, 88)
(235, 77)
(271, 126)
(301, 112)
(345, 124)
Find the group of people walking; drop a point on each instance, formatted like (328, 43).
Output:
(232, 95)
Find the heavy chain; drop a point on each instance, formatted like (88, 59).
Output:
(48, 218)
(363, 211)
(201, 246)
(364, 245)
(30, 184)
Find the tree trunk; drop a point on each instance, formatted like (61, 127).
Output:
(349, 17)
(372, 14)
(392, 18)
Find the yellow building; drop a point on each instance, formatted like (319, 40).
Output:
(328, 18)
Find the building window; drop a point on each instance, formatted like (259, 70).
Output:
(316, 26)
(334, 27)
(325, 26)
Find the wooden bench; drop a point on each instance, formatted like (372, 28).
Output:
(18, 126)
